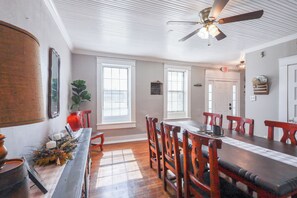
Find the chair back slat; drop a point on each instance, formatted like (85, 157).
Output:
(240, 124)
(213, 119)
(171, 157)
(86, 118)
(289, 131)
(198, 158)
(170, 141)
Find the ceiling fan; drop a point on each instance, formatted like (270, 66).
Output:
(208, 18)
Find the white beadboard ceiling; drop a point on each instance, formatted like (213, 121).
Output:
(138, 27)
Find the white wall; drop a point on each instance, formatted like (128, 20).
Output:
(266, 106)
(33, 16)
(84, 67)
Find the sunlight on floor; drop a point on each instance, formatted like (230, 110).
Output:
(117, 167)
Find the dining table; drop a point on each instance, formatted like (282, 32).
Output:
(267, 167)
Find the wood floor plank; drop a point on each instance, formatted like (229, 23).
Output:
(122, 170)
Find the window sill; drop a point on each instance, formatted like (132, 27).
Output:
(119, 125)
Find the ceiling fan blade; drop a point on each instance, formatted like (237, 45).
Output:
(220, 36)
(182, 23)
(242, 17)
(217, 8)
(190, 35)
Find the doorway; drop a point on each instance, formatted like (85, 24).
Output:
(288, 89)
(222, 93)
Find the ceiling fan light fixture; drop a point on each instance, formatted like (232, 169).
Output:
(203, 33)
(213, 30)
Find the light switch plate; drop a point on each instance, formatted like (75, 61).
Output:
(253, 98)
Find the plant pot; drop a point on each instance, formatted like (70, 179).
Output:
(3, 151)
(75, 120)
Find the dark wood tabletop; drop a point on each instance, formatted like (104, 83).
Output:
(267, 174)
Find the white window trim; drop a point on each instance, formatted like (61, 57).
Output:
(117, 125)
(188, 92)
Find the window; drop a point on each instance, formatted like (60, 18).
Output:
(116, 94)
(210, 96)
(234, 100)
(177, 95)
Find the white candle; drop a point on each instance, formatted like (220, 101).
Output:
(51, 144)
(57, 136)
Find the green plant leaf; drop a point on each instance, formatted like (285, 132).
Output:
(79, 93)
(76, 99)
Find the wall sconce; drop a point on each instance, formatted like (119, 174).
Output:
(21, 96)
(241, 65)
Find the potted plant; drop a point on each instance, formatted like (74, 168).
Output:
(79, 96)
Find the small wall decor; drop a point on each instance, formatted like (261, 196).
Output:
(198, 85)
(156, 88)
(260, 85)
(54, 84)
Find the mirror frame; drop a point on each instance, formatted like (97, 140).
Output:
(53, 107)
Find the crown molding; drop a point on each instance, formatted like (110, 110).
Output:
(143, 58)
(271, 43)
(53, 11)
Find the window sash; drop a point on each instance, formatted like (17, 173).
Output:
(177, 92)
(116, 95)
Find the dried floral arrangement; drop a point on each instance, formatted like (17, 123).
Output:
(59, 155)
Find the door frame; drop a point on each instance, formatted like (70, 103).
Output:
(284, 64)
(216, 75)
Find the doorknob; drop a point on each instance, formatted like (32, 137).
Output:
(230, 104)
(230, 108)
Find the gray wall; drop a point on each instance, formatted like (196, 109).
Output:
(266, 106)
(84, 67)
(34, 17)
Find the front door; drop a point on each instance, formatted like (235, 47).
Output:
(292, 93)
(223, 99)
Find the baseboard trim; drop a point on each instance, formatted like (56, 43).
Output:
(125, 138)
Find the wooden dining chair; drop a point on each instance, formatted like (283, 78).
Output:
(289, 131)
(240, 124)
(86, 123)
(213, 119)
(171, 157)
(153, 143)
(199, 180)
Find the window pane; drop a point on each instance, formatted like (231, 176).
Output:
(107, 72)
(124, 111)
(115, 85)
(115, 112)
(209, 96)
(180, 76)
(107, 105)
(209, 104)
(174, 76)
(123, 74)
(107, 84)
(234, 88)
(123, 85)
(174, 86)
(210, 88)
(115, 72)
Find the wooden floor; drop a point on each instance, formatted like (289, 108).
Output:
(122, 170)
